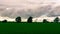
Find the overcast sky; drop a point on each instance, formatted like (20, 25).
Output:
(28, 2)
(35, 8)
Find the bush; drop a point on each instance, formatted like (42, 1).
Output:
(4, 21)
(45, 21)
(56, 20)
(18, 19)
(30, 19)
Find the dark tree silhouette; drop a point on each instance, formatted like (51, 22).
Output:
(4, 21)
(45, 21)
(18, 19)
(56, 20)
(30, 19)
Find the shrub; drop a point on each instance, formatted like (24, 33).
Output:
(18, 19)
(56, 20)
(45, 21)
(30, 19)
(4, 21)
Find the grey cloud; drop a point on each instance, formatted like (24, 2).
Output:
(55, 12)
(25, 13)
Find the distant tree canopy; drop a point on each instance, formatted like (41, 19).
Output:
(30, 19)
(56, 19)
(45, 21)
(18, 19)
(4, 21)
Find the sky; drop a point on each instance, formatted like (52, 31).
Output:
(26, 8)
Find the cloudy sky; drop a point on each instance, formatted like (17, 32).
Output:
(26, 8)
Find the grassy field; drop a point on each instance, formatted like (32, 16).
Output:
(29, 28)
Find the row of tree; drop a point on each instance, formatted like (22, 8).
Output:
(56, 20)
(18, 19)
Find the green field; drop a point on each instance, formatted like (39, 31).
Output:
(29, 28)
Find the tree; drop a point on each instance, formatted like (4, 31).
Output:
(45, 21)
(18, 19)
(56, 20)
(4, 21)
(30, 19)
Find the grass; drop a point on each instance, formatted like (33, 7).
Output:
(29, 28)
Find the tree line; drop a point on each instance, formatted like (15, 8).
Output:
(18, 19)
